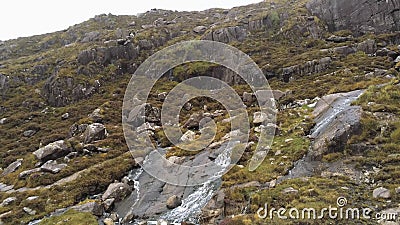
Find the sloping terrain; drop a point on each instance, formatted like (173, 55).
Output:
(335, 81)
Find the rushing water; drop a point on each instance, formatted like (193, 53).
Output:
(191, 206)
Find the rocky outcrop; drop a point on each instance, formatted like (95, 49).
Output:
(337, 121)
(104, 56)
(61, 91)
(227, 34)
(310, 67)
(364, 16)
(53, 150)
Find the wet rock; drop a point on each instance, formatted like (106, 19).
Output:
(94, 132)
(52, 166)
(357, 16)
(118, 191)
(29, 133)
(53, 150)
(90, 207)
(200, 29)
(381, 193)
(173, 202)
(12, 167)
(29, 211)
(337, 121)
(8, 201)
(289, 190)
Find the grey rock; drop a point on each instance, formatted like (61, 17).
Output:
(91, 36)
(93, 207)
(65, 116)
(31, 198)
(289, 190)
(200, 29)
(162, 96)
(397, 59)
(52, 167)
(368, 46)
(53, 150)
(3, 121)
(339, 39)
(12, 167)
(108, 221)
(259, 117)
(29, 211)
(173, 202)
(108, 203)
(227, 34)
(5, 187)
(27, 173)
(248, 98)
(29, 133)
(76, 129)
(344, 50)
(381, 193)
(118, 191)
(337, 121)
(360, 17)
(96, 116)
(94, 132)
(397, 190)
(194, 121)
(310, 67)
(8, 201)
(132, 24)
(188, 136)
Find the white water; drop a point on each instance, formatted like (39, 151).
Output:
(191, 206)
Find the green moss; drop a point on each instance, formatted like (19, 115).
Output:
(71, 217)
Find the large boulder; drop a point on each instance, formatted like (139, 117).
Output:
(359, 16)
(336, 122)
(94, 132)
(116, 191)
(53, 150)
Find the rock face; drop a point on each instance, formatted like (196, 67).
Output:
(227, 34)
(12, 167)
(315, 66)
(61, 91)
(359, 16)
(53, 150)
(337, 121)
